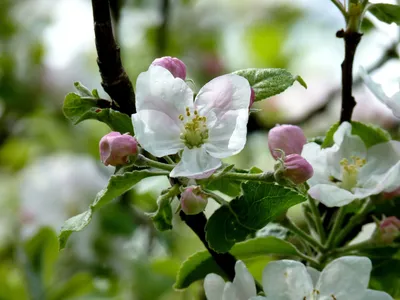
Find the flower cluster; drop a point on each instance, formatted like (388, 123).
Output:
(344, 278)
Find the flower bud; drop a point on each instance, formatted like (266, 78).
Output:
(252, 96)
(193, 201)
(115, 148)
(172, 64)
(297, 169)
(288, 138)
(389, 229)
(392, 194)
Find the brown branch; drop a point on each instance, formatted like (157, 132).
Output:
(351, 41)
(115, 80)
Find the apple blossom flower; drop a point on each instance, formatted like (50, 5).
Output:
(193, 200)
(172, 64)
(115, 148)
(288, 138)
(242, 288)
(212, 127)
(348, 170)
(344, 278)
(297, 169)
(392, 102)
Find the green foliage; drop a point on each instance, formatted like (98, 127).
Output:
(162, 218)
(370, 134)
(387, 13)
(78, 285)
(259, 204)
(79, 108)
(269, 82)
(117, 185)
(200, 264)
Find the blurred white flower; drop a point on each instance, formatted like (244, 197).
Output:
(54, 188)
(348, 170)
(213, 127)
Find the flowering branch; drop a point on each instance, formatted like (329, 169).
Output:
(115, 80)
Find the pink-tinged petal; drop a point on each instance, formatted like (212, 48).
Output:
(172, 64)
(157, 89)
(227, 135)
(157, 133)
(222, 94)
(195, 163)
(297, 169)
(115, 148)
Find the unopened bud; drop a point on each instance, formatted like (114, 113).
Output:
(297, 168)
(288, 138)
(115, 148)
(392, 194)
(172, 64)
(252, 96)
(389, 229)
(193, 200)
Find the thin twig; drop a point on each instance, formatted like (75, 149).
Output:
(115, 80)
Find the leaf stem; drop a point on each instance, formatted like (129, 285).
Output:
(340, 6)
(336, 228)
(217, 198)
(306, 237)
(265, 177)
(317, 219)
(152, 163)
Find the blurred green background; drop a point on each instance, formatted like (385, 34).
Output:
(50, 169)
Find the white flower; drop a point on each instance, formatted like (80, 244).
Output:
(392, 102)
(348, 170)
(211, 128)
(345, 278)
(242, 288)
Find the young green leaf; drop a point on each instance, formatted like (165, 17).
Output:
(162, 218)
(259, 204)
(388, 13)
(78, 109)
(269, 82)
(197, 266)
(117, 185)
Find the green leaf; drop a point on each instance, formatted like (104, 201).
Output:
(82, 90)
(78, 285)
(269, 82)
(117, 185)
(78, 109)
(370, 134)
(197, 266)
(387, 13)
(42, 253)
(162, 218)
(259, 204)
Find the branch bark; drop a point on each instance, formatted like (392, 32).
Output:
(115, 80)
(351, 41)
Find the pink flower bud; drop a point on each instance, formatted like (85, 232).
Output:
(252, 97)
(115, 148)
(389, 229)
(172, 64)
(392, 194)
(288, 138)
(297, 169)
(193, 201)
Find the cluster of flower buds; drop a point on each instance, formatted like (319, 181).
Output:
(286, 143)
(193, 200)
(115, 148)
(389, 230)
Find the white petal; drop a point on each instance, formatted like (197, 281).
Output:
(349, 145)
(230, 292)
(317, 157)
(227, 136)
(331, 195)
(382, 169)
(286, 280)
(214, 286)
(346, 278)
(158, 89)
(394, 104)
(195, 163)
(376, 295)
(244, 281)
(222, 94)
(157, 133)
(259, 298)
(314, 274)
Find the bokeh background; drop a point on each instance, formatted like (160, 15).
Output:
(50, 169)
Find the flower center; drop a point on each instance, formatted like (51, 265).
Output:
(195, 133)
(350, 171)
